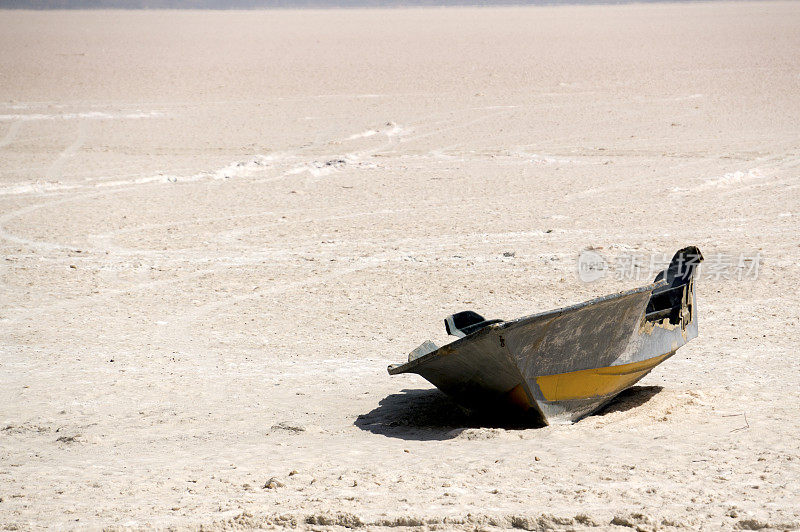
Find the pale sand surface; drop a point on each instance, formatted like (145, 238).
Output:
(216, 223)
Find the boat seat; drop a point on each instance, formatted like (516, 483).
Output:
(467, 322)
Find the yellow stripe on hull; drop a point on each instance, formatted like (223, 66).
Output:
(596, 382)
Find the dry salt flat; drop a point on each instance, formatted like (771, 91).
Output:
(218, 228)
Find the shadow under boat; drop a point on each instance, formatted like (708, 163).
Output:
(428, 414)
(561, 365)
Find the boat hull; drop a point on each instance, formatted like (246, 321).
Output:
(561, 365)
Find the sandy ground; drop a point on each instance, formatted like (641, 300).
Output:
(218, 229)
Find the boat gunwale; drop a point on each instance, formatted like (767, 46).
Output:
(405, 367)
(555, 312)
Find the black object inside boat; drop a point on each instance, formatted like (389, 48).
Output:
(467, 322)
(667, 301)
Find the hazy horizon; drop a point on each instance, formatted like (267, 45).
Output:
(288, 4)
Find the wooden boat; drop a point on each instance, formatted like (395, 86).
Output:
(561, 365)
